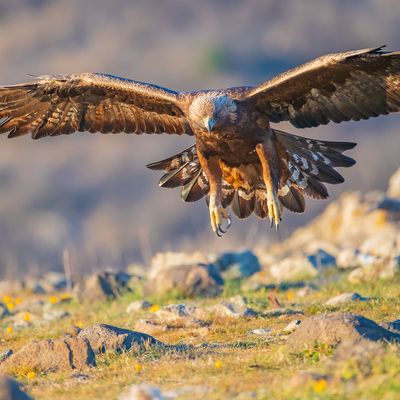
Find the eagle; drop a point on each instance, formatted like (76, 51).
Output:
(238, 160)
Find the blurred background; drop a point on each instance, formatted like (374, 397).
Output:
(92, 194)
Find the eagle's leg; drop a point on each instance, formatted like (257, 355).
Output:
(270, 167)
(213, 171)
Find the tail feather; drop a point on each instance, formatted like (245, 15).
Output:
(306, 164)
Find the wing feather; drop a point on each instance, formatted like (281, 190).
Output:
(337, 87)
(60, 105)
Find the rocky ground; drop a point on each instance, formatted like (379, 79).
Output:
(316, 316)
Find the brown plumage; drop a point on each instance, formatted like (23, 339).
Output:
(238, 160)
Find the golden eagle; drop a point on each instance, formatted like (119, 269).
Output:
(238, 160)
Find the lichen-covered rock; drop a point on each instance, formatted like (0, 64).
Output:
(138, 305)
(232, 310)
(188, 280)
(333, 328)
(52, 355)
(104, 338)
(10, 389)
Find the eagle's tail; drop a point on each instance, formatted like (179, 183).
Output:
(310, 164)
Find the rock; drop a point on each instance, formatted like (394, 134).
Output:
(3, 311)
(261, 332)
(5, 354)
(292, 326)
(333, 328)
(393, 325)
(345, 298)
(380, 268)
(33, 285)
(237, 265)
(143, 391)
(188, 280)
(104, 338)
(232, 310)
(394, 185)
(322, 259)
(101, 286)
(385, 243)
(55, 315)
(53, 281)
(348, 258)
(292, 269)
(173, 312)
(164, 261)
(10, 389)
(52, 355)
(138, 305)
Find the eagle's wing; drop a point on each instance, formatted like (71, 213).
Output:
(57, 105)
(336, 87)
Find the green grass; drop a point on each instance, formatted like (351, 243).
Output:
(242, 363)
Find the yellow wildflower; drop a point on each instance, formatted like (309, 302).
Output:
(9, 330)
(18, 300)
(27, 317)
(10, 305)
(138, 367)
(53, 299)
(320, 386)
(154, 308)
(218, 364)
(31, 375)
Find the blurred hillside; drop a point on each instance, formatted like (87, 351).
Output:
(93, 195)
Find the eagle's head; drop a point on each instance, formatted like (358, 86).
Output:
(212, 110)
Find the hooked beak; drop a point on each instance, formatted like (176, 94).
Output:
(209, 123)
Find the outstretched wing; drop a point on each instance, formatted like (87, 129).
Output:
(336, 87)
(60, 105)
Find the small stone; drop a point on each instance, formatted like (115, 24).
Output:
(345, 298)
(292, 326)
(10, 389)
(261, 332)
(55, 315)
(232, 310)
(143, 391)
(138, 305)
